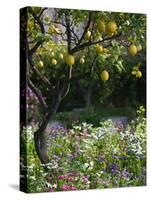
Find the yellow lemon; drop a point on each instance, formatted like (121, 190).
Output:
(99, 48)
(88, 35)
(52, 54)
(82, 61)
(132, 49)
(40, 63)
(61, 56)
(104, 75)
(135, 68)
(54, 61)
(101, 26)
(70, 60)
(138, 74)
(133, 72)
(111, 27)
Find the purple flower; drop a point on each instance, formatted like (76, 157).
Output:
(130, 151)
(140, 156)
(113, 168)
(126, 174)
(113, 165)
(56, 157)
(85, 179)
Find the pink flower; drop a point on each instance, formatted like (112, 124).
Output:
(73, 188)
(66, 187)
(61, 177)
(51, 190)
(70, 179)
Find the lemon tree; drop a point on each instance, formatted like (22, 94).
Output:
(96, 50)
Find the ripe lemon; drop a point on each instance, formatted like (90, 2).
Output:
(70, 60)
(111, 28)
(99, 48)
(82, 61)
(61, 56)
(40, 64)
(88, 35)
(132, 49)
(101, 26)
(52, 54)
(133, 72)
(54, 61)
(138, 74)
(135, 68)
(104, 75)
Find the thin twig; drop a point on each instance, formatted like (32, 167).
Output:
(38, 94)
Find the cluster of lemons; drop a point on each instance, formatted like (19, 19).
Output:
(70, 60)
(109, 29)
(135, 71)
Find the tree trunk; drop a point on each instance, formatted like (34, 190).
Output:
(88, 98)
(39, 140)
(39, 136)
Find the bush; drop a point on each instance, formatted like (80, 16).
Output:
(92, 116)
